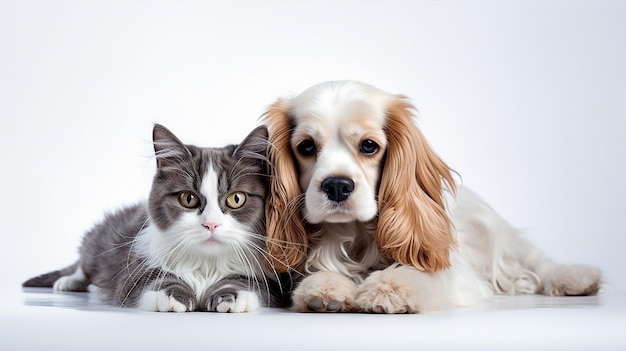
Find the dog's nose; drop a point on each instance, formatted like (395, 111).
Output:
(337, 188)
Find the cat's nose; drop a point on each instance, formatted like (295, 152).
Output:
(211, 226)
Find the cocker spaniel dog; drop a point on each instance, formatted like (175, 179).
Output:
(374, 220)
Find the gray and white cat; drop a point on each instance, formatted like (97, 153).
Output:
(197, 244)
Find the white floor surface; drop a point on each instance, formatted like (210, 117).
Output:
(38, 319)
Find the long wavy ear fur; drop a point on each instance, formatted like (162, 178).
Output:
(413, 227)
(286, 235)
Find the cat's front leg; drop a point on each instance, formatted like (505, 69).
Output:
(169, 295)
(232, 294)
(234, 301)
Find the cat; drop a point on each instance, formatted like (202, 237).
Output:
(196, 244)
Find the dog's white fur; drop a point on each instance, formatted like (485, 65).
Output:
(338, 248)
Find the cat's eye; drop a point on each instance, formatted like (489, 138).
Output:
(307, 148)
(188, 199)
(236, 200)
(368, 147)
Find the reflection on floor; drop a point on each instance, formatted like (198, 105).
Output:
(39, 319)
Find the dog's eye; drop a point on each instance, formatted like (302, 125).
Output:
(307, 148)
(368, 147)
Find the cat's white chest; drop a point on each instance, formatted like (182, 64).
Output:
(199, 271)
(201, 279)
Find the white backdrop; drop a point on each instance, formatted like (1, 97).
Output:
(525, 99)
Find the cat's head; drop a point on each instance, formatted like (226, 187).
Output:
(210, 200)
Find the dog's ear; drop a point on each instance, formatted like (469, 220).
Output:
(413, 227)
(286, 235)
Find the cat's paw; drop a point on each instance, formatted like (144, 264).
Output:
(241, 301)
(325, 292)
(573, 280)
(70, 283)
(162, 301)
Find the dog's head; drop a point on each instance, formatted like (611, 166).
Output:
(346, 151)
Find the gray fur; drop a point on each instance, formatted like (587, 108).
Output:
(110, 260)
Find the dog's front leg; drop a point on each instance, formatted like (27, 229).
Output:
(325, 292)
(404, 289)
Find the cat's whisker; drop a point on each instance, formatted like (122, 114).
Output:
(295, 205)
(255, 174)
(231, 175)
(261, 146)
(260, 269)
(266, 254)
(177, 251)
(127, 269)
(188, 174)
(273, 240)
(245, 263)
(281, 244)
(141, 267)
(242, 258)
(115, 247)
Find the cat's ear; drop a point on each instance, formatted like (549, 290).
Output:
(168, 149)
(255, 145)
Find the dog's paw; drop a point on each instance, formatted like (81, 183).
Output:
(403, 289)
(573, 280)
(383, 292)
(325, 292)
(241, 301)
(165, 301)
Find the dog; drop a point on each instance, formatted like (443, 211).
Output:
(374, 220)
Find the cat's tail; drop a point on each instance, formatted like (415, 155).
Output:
(47, 280)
